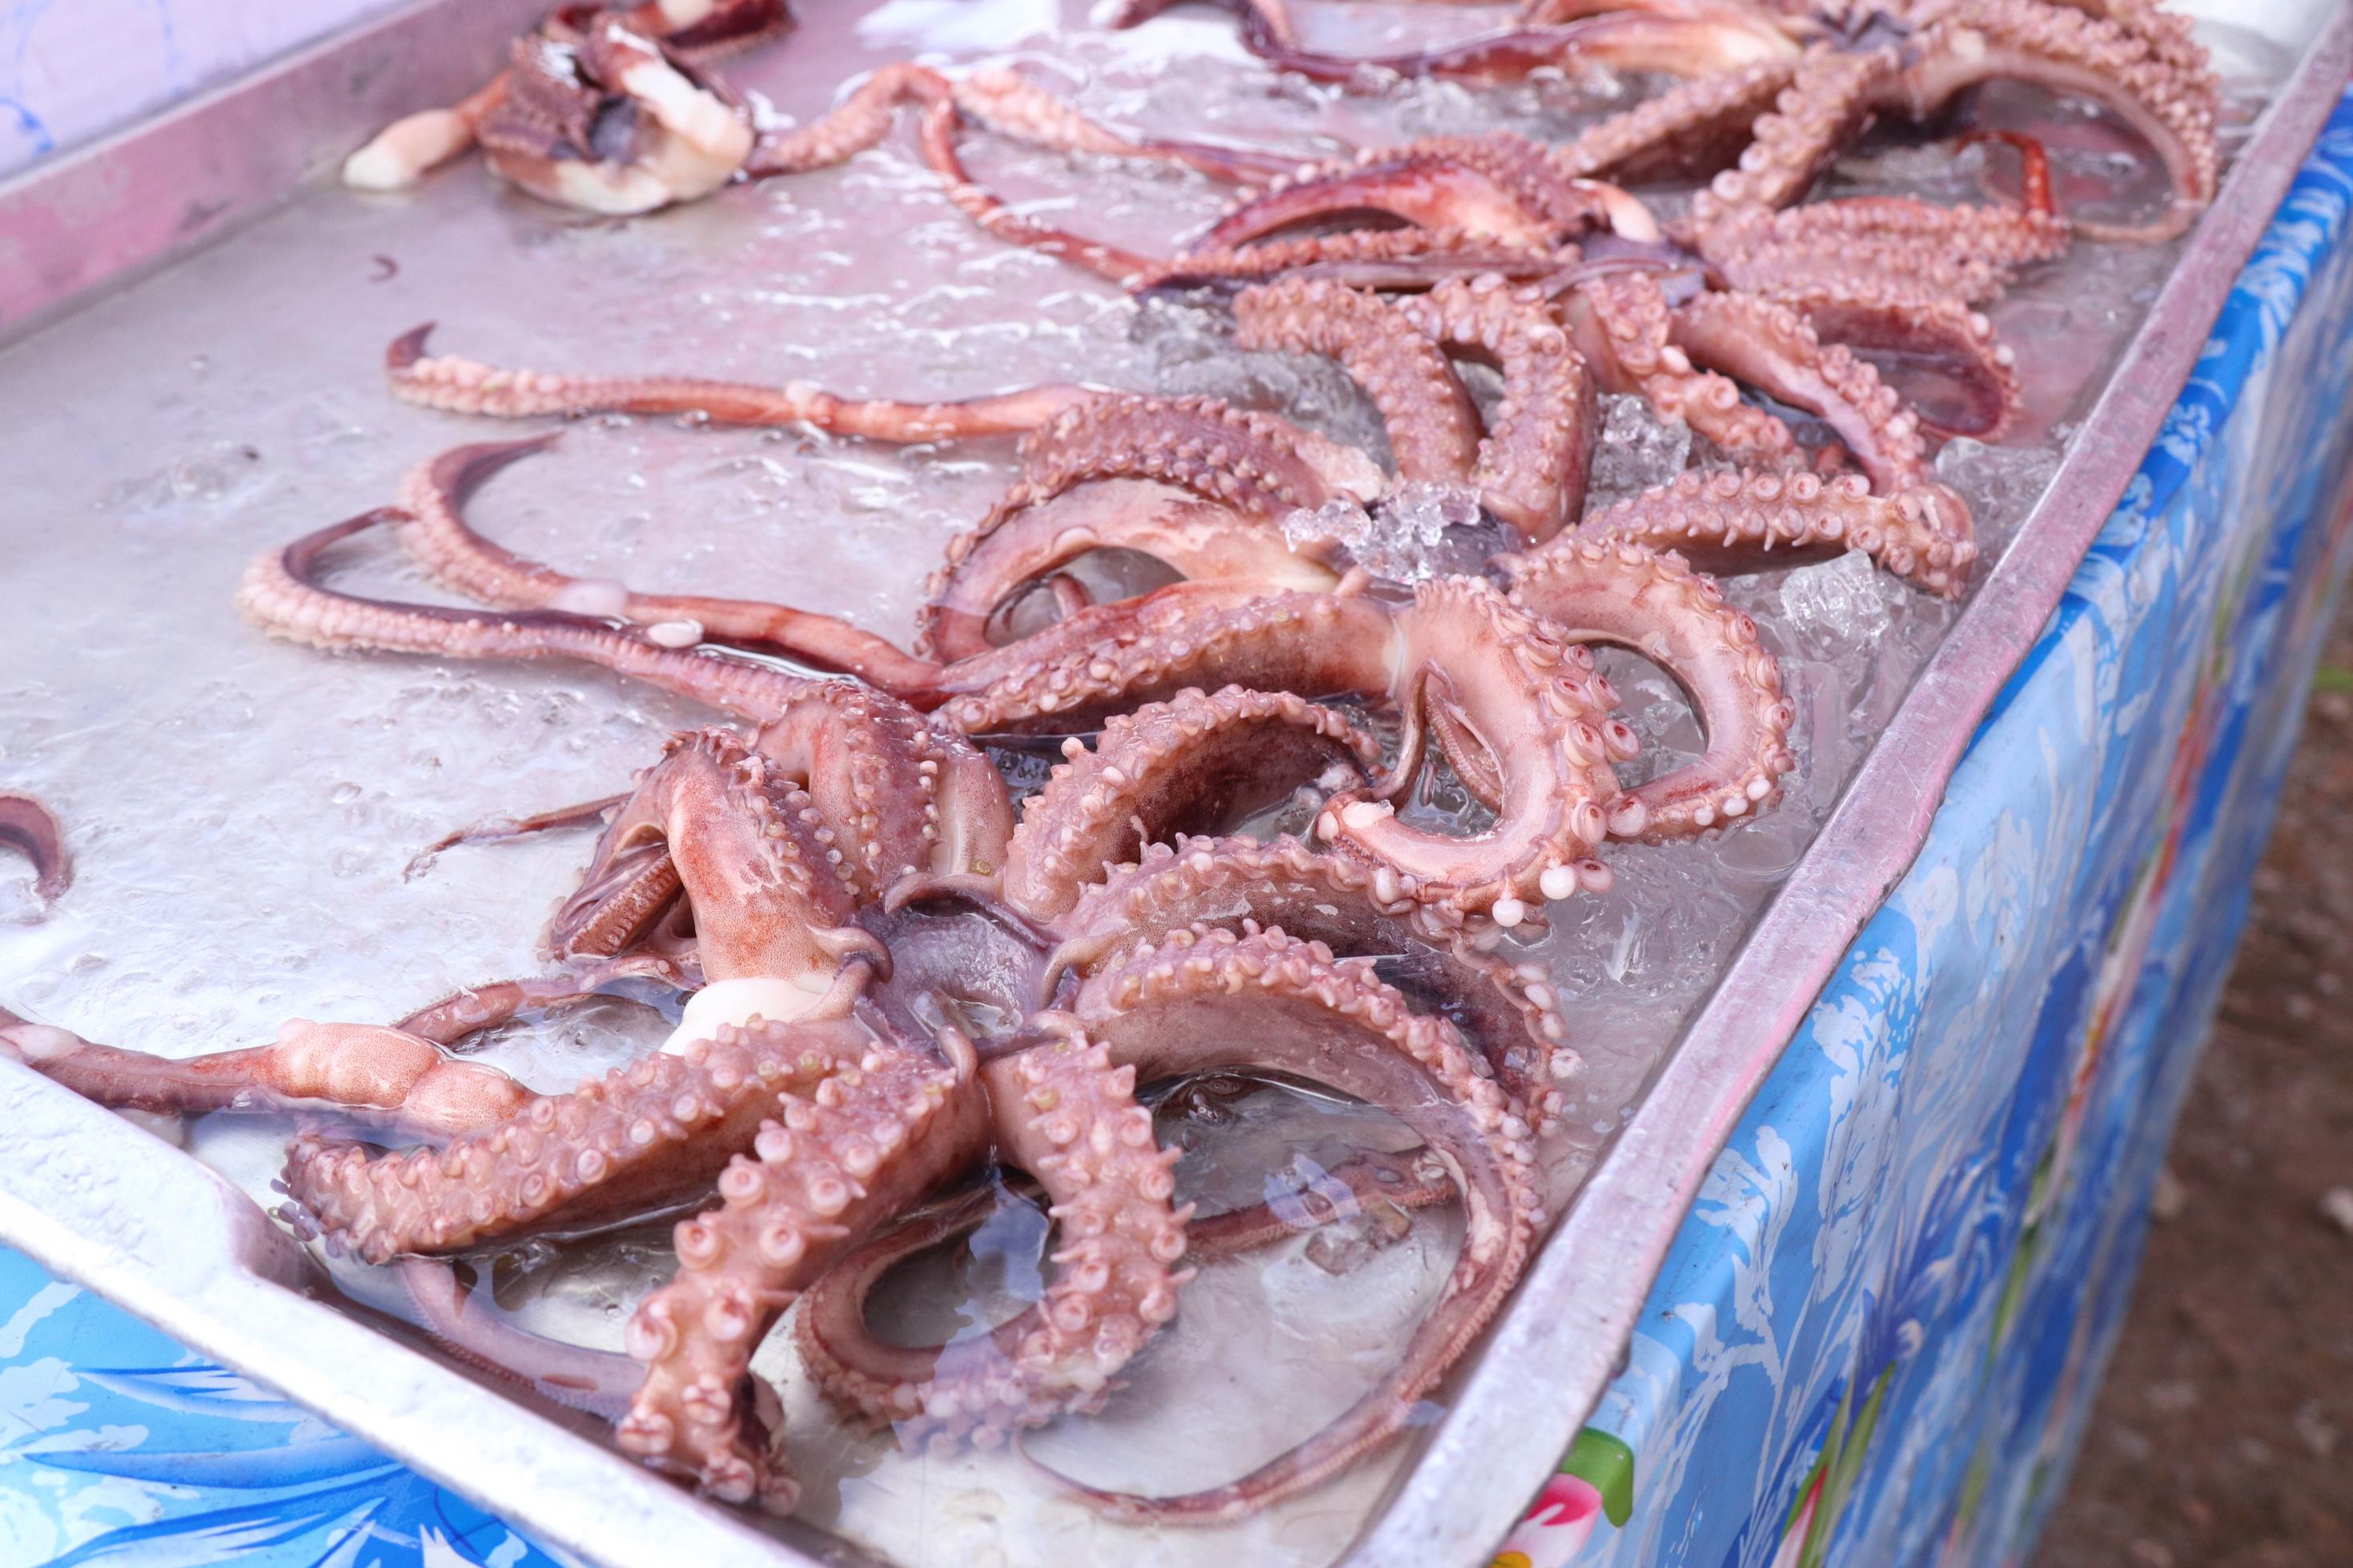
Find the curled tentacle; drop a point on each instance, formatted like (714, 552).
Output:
(1061, 1111)
(1500, 681)
(1508, 1013)
(1433, 426)
(1197, 763)
(1531, 467)
(854, 1132)
(32, 830)
(1497, 187)
(2155, 79)
(1203, 1001)
(1767, 345)
(1620, 325)
(772, 890)
(1625, 593)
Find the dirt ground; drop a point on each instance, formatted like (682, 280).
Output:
(2223, 1436)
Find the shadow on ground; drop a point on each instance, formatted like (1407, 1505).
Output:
(2223, 1436)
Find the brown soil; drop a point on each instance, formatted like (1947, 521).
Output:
(2223, 1436)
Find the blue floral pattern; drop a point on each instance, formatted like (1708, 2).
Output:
(1876, 1337)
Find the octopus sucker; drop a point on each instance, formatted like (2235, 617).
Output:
(1197, 763)
(1625, 593)
(33, 831)
(469, 386)
(1193, 1004)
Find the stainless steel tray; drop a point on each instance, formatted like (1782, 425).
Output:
(169, 1240)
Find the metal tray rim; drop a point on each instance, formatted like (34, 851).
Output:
(231, 1286)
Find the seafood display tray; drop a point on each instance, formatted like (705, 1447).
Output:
(103, 1203)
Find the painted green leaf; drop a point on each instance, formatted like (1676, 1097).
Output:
(1606, 1465)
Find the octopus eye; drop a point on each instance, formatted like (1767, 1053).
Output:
(613, 131)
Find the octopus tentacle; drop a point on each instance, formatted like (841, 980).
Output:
(1509, 1014)
(640, 1136)
(280, 594)
(1011, 105)
(377, 1074)
(993, 216)
(1358, 258)
(1531, 467)
(857, 1135)
(1198, 762)
(1625, 593)
(1627, 40)
(1734, 522)
(1538, 707)
(1946, 334)
(1062, 1113)
(1368, 1182)
(1690, 128)
(458, 385)
(32, 830)
(1433, 426)
(1200, 487)
(1828, 98)
(1111, 658)
(1621, 324)
(1209, 999)
(861, 120)
(1767, 345)
(599, 1383)
(2161, 88)
(1498, 186)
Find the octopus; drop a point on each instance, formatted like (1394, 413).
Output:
(1778, 87)
(1253, 514)
(891, 985)
(616, 112)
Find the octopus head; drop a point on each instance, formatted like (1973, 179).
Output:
(599, 118)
